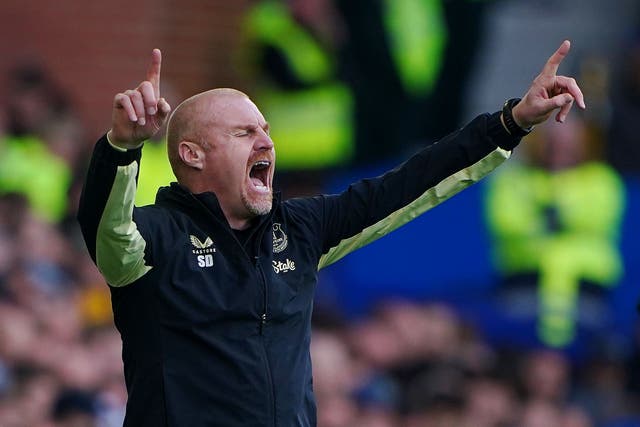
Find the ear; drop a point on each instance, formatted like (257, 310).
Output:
(191, 154)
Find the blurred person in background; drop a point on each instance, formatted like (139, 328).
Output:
(251, 314)
(555, 219)
(292, 50)
(41, 126)
(545, 414)
(321, 67)
(417, 56)
(33, 101)
(13, 208)
(434, 398)
(376, 350)
(75, 408)
(30, 399)
(489, 402)
(334, 377)
(43, 341)
(603, 389)
(545, 376)
(549, 396)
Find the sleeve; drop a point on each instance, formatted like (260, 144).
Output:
(372, 208)
(106, 214)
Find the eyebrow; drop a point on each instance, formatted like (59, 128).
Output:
(251, 126)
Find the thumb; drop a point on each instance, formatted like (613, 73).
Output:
(564, 111)
(163, 110)
(559, 101)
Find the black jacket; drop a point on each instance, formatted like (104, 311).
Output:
(216, 333)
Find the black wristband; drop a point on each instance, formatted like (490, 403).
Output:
(510, 124)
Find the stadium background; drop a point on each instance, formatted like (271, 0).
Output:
(436, 270)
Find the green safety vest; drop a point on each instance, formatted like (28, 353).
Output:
(590, 202)
(28, 167)
(155, 172)
(310, 127)
(417, 34)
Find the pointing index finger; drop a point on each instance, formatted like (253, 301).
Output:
(551, 67)
(153, 73)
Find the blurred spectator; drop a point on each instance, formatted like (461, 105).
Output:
(52, 336)
(489, 402)
(434, 397)
(74, 408)
(545, 377)
(555, 220)
(292, 48)
(33, 100)
(41, 144)
(544, 414)
(603, 391)
(13, 207)
(404, 62)
(334, 378)
(407, 62)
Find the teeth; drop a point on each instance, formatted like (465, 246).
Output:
(261, 188)
(257, 175)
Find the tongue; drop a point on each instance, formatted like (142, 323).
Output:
(257, 181)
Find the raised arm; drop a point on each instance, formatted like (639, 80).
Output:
(371, 208)
(106, 210)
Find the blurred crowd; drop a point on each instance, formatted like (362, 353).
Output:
(314, 69)
(424, 365)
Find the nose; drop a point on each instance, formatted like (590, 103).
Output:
(263, 141)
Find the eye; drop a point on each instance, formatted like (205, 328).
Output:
(244, 132)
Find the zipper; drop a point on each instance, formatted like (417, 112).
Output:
(263, 325)
(271, 390)
(265, 300)
(263, 322)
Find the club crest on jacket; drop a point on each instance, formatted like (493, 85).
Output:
(280, 241)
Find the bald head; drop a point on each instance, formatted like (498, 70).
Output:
(192, 121)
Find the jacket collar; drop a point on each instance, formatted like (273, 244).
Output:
(177, 196)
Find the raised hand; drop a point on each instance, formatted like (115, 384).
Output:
(549, 92)
(139, 113)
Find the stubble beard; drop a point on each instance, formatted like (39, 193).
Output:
(260, 205)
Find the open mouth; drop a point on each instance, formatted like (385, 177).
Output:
(259, 175)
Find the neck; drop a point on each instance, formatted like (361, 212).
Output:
(238, 224)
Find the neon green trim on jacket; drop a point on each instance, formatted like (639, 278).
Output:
(429, 199)
(120, 246)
